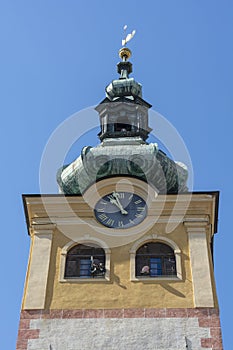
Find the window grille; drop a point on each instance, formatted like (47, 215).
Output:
(85, 261)
(155, 259)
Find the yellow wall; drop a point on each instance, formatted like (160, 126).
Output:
(119, 292)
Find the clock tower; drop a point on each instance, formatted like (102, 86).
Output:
(122, 257)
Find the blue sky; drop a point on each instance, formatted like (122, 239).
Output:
(56, 59)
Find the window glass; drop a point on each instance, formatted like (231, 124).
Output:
(85, 261)
(155, 259)
(123, 124)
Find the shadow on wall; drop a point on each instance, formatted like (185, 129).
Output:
(172, 290)
(116, 280)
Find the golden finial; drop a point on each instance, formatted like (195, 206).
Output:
(124, 53)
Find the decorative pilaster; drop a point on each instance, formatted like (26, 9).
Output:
(200, 263)
(36, 283)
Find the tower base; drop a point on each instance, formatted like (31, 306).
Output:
(131, 329)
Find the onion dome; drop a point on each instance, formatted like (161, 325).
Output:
(123, 150)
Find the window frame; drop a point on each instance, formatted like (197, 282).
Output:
(89, 241)
(159, 239)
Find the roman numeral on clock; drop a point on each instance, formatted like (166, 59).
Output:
(120, 210)
(140, 208)
(138, 201)
(102, 217)
(110, 222)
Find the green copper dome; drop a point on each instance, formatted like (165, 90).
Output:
(123, 150)
(123, 158)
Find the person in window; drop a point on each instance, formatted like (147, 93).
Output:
(155, 259)
(85, 261)
(145, 270)
(97, 267)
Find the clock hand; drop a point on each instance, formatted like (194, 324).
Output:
(116, 196)
(113, 201)
(118, 204)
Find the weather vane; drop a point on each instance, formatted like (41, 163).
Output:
(128, 37)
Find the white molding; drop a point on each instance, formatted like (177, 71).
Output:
(74, 220)
(152, 238)
(85, 280)
(155, 238)
(154, 279)
(58, 199)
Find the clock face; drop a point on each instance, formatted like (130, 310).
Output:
(120, 210)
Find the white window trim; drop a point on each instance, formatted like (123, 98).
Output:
(89, 240)
(155, 238)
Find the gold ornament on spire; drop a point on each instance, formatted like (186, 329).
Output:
(124, 53)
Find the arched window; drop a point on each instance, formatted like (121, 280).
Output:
(122, 124)
(85, 261)
(155, 259)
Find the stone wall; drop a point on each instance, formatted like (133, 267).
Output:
(120, 329)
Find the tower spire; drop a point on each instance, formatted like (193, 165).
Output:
(124, 67)
(124, 86)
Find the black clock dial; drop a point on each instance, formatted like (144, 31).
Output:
(120, 210)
